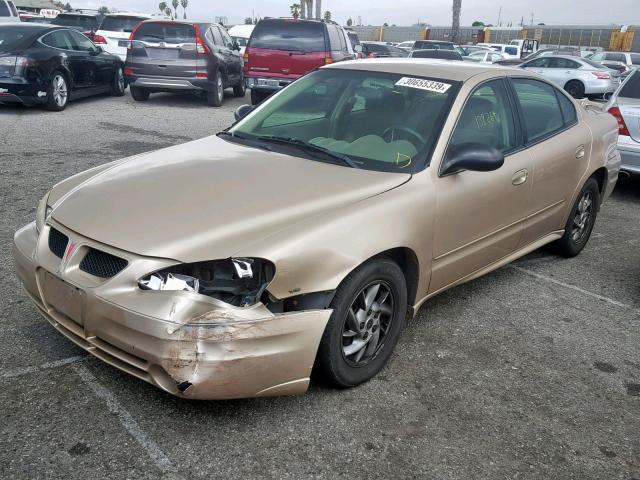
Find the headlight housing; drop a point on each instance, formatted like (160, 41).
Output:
(43, 212)
(237, 281)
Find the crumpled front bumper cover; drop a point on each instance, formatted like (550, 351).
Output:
(226, 352)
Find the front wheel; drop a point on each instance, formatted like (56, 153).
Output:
(119, 85)
(581, 221)
(369, 310)
(575, 89)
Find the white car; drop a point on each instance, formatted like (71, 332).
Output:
(509, 51)
(241, 34)
(114, 31)
(485, 56)
(8, 12)
(406, 45)
(630, 59)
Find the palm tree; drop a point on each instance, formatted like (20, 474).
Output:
(168, 12)
(318, 9)
(175, 4)
(162, 6)
(295, 10)
(455, 25)
(185, 4)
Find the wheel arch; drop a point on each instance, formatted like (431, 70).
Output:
(407, 260)
(601, 175)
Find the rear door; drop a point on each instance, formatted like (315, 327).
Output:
(232, 60)
(164, 49)
(286, 48)
(99, 71)
(74, 60)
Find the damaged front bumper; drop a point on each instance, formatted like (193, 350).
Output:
(184, 343)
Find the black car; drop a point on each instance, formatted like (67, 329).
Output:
(44, 64)
(381, 50)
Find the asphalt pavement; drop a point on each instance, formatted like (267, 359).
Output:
(531, 372)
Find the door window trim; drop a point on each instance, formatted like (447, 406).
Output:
(553, 133)
(40, 40)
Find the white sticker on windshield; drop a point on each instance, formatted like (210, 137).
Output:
(423, 84)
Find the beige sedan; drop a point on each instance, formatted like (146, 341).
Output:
(301, 238)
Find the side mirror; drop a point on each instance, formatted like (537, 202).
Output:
(97, 49)
(242, 111)
(476, 157)
(357, 48)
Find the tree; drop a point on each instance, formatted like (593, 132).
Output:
(385, 24)
(349, 22)
(167, 12)
(103, 10)
(185, 4)
(67, 7)
(455, 24)
(327, 16)
(477, 23)
(175, 4)
(295, 10)
(163, 7)
(248, 21)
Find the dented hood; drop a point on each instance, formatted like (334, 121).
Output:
(207, 199)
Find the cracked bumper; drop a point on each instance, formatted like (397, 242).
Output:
(208, 350)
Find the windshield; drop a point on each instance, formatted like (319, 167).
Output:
(166, 32)
(120, 23)
(14, 37)
(377, 121)
(241, 41)
(304, 36)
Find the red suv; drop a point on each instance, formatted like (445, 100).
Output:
(282, 50)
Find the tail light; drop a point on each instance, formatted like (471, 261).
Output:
(601, 75)
(89, 35)
(201, 47)
(371, 55)
(133, 32)
(201, 75)
(19, 64)
(328, 60)
(99, 39)
(245, 61)
(127, 70)
(622, 126)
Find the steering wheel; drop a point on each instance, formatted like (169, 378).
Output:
(387, 135)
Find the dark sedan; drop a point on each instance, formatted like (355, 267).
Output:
(49, 65)
(381, 50)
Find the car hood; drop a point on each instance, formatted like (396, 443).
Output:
(207, 199)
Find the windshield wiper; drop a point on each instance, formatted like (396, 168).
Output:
(252, 140)
(310, 147)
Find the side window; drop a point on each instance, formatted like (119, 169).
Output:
(568, 109)
(538, 63)
(217, 37)
(486, 118)
(635, 59)
(540, 108)
(4, 9)
(334, 38)
(13, 8)
(511, 50)
(57, 39)
(79, 42)
(226, 38)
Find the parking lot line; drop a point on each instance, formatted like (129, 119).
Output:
(36, 368)
(572, 287)
(159, 458)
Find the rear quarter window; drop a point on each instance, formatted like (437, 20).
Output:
(631, 88)
(287, 35)
(12, 7)
(4, 9)
(166, 32)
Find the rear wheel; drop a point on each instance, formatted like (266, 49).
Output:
(215, 97)
(139, 94)
(119, 84)
(258, 97)
(58, 92)
(239, 89)
(575, 89)
(581, 221)
(369, 310)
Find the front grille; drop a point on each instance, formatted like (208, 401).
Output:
(101, 264)
(57, 242)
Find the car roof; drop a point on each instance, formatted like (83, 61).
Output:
(425, 67)
(128, 14)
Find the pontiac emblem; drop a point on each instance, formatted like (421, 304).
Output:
(70, 248)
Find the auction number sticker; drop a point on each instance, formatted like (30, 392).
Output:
(423, 84)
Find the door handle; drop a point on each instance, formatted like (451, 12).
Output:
(580, 152)
(520, 177)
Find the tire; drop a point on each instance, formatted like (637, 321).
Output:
(347, 355)
(575, 89)
(258, 97)
(239, 90)
(57, 92)
(216, 96)
(581, 221)
(139, 94)
(119, 83)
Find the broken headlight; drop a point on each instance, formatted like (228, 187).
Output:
(236, 281)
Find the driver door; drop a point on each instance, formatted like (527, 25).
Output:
(479, 215)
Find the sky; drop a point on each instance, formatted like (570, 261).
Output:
(407, 12)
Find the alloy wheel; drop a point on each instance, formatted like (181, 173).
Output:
(367, 324)
(582, 217)
(220, 88)
(121, 85)
(59, 90)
